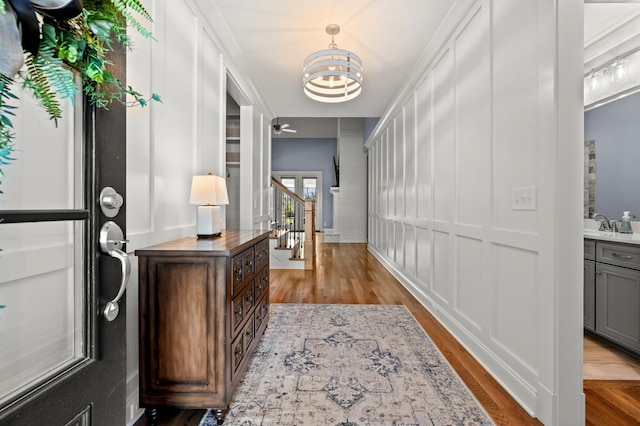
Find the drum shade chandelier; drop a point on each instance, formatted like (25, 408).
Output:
(332, 75)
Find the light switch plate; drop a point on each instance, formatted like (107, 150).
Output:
(523, 198)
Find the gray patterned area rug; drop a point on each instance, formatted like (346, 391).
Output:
(349, 365)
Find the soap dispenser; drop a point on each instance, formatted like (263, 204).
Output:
(625, 225)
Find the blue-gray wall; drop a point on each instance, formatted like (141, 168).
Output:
(369, 125)
(616, 129)
(308, 154)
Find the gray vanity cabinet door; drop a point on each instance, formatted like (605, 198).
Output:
(589, 249)
(618, 305)
(590, 295)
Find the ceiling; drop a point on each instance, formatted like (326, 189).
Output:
(601, 18)
(275, 36)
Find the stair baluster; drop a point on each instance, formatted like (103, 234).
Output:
(293, 223)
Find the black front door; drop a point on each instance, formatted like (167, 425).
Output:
(62, 361)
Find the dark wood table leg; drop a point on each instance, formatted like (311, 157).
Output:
(153, 415)
(219, 414)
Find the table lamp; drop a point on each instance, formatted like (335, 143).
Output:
(209, 193)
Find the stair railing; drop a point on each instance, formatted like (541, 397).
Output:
(293, 223)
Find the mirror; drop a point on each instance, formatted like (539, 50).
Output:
(612, 157)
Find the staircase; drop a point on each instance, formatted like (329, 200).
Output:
(293, 237)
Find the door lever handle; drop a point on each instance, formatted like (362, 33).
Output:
(111, 241)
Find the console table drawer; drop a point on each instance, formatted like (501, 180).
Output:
(261, 283)
(241, 307)
(242, 267)
(262, 254)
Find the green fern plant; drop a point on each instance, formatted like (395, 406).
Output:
(43, 72)
(124, 6)
(6, 112)
(74, 47)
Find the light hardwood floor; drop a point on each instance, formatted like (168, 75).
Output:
(348, 273)
(611, 385)
(604, 362)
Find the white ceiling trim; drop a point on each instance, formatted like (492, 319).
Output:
(617, 42)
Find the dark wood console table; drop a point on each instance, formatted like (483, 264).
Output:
(203, 306)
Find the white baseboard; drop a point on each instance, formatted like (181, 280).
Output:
(134, 412)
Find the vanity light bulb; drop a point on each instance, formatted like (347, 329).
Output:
(595, 84)
(621, 72)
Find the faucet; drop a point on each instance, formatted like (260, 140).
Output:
(605, 225)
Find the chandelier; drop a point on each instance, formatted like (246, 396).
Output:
(332, 75)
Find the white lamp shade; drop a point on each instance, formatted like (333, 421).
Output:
(208, 190)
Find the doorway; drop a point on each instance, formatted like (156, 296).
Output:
(611, 38)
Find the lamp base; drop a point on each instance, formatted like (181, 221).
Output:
(209, 222)
(205, 236)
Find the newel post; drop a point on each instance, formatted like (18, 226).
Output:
(309, 234)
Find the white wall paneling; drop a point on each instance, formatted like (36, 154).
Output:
(256, 162)
(391, 168)
(211, 154)
(424, 250)
(169, 142)
(176, 127)
(400, 185)
(380, 176)
(513, 324)
(424, 158)
(472, 107)
(468, 281)
(353, 181)
(265, 221)
(391, 173)
(485, 117)
(383, 236)
(371, 197)
(515, 152)
(391, 239)
(247, 127)
(400, 244)
(410, 250)
(443, 142)
(255, 168)
(441, 285)
(410, 158)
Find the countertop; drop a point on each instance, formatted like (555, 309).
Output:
(617, 237)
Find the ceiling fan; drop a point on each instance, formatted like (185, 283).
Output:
(279, 128)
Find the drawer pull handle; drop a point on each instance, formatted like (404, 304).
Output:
(238, 312)
(622, 256)
(237, 269)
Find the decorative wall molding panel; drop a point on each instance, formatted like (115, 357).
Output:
(443, 164)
